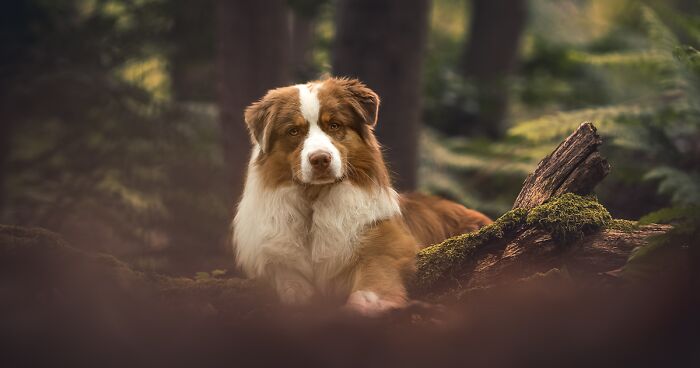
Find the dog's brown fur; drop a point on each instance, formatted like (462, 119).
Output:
(432, 220)
(386, 250)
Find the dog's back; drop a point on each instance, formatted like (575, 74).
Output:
(431, 219)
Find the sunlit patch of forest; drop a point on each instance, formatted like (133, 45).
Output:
(113, 132)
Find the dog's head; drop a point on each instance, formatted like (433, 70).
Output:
(317, 133)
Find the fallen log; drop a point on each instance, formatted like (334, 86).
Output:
(551, 225)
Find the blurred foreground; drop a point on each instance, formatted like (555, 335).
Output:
(77, 309)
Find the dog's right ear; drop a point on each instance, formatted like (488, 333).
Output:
(258, 117)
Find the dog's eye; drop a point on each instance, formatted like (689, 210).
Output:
(293, 131)
(333, 126)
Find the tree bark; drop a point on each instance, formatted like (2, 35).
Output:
(534, 251)
(253, 54)
(575, 166)
(192, 69)
(301, 47)
(490, 56)
(381, 42)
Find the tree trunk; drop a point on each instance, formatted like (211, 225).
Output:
(303, 27)
(5, 133)
(381, 42)
(193, 43)
(253, 49)
(490, 56)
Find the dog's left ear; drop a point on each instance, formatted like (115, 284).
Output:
(364, 101)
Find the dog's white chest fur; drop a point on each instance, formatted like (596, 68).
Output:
(279, 227)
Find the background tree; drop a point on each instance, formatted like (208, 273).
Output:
(381, 42)
(253, 56)
(490, 57)
(304, 20)
(192, 50)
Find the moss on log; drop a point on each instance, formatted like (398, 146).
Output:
(443, 261)
(564, 219)
(479, 259)
(569, 217)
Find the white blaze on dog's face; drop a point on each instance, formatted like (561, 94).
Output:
(317, 133)
(321, 162)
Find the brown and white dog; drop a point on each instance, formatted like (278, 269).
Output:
(319, 216)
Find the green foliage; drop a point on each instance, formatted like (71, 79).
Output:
(681, 187)
(636, 83)
(677, 249)
(99, 150)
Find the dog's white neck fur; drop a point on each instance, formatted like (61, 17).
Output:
(316, 139)
(281, 229)
(281, 226)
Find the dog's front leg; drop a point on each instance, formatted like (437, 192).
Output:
(292, 287)
(386, 257)
(378, 288)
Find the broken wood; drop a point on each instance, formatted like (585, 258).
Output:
(575, 166)
(528, 239)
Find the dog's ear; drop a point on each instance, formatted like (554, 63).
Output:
(258, 117)
(364, 101)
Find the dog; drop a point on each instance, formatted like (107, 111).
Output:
(319, 217)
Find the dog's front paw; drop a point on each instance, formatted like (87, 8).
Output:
(369, 304)
(294, 292)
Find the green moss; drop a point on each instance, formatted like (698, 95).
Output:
(566, 218)
(440, 260)
(569, 217)
(622, 225)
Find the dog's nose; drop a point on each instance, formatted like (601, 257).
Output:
(320, 160)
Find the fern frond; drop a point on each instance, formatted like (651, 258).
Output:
(660, 36)
(436, 152)
(622, 59)
(556, 126)
(683, 187)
